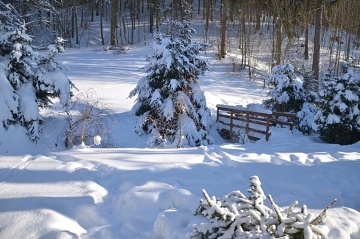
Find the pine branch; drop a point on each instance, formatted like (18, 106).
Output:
(276, 208)
(322, 215)
(206, 195)
(291, 208)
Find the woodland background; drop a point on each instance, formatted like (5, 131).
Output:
(314, 29)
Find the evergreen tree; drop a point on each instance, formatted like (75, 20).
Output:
(170, 104)
(287, 93)
(338, 120)
(25, 83)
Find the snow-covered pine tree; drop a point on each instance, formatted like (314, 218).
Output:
(305, 117)
(24, 84)
(338, 120)
(287, 93)
(170, 104)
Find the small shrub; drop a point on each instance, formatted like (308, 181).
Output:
(86, 124)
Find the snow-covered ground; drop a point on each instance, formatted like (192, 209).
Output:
(128, 190)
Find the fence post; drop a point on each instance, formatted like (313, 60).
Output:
(292, 118)
(231, 123)
(267, 127)
(247, 122)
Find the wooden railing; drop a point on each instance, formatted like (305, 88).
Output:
(253, 123)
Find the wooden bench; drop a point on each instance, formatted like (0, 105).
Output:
(253, 123)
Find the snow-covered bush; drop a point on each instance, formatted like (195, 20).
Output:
(235, 216)
(25, 85)
(170, 104)
(338, 120)
(287, 93)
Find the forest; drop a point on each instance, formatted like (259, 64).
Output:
(232, 25)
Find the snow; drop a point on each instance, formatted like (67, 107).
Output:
(168, 109)
(349, 95)
(126, 190)
(156, 98)
(59, 82)
(17, 53)
(27, 102)
(8, 99)
(97, 140)
(174, 84)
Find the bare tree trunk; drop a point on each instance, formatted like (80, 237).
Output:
(199, 7)
(101, 22)
(338, 51)
(278, 44)
(158, 15)
(151, 16)
(92, 12)
(348, 43)
(124, 30)
(26, 6)
(114, 21)
(133, 10)
(73, 23)
(242, 44)
(317, 39)
(204, 7)
(76, 26)
(120, 28)
(82, 16)
(223, 30)
(306, 44)
(207, 18)
(212, 4)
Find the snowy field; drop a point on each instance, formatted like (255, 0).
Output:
(130, 191)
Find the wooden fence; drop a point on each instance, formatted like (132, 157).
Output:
(253, 123)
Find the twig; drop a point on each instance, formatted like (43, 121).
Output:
(320, 217)
(276, 208)
(206, 195)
